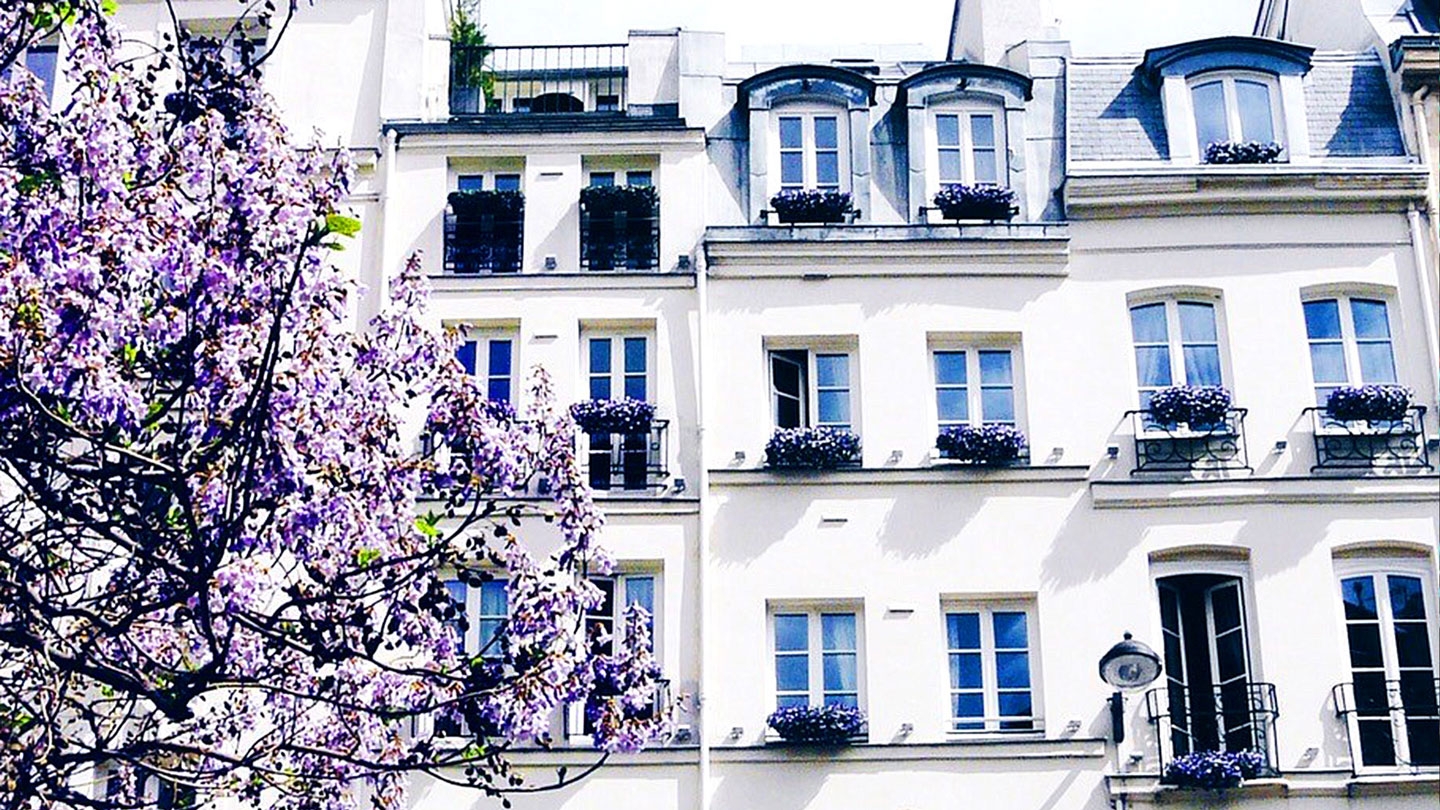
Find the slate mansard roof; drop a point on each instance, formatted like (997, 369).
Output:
(1116, 115)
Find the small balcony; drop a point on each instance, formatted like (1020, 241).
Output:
(627, 462)
(539, 79)
(621, 234)
(1391, 724)
(1370, 444)
(1183, 447)
(487, 243)
(1237, 716)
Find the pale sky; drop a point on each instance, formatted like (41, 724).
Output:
(1092, 26)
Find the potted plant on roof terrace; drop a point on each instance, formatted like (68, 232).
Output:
(811, 206)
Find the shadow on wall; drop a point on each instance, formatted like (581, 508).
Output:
(1138, 103)
(1365, 126)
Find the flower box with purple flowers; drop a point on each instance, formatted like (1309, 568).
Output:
(1370, 403)
(988, 444)
(1214, 770)
(1242, 152)
(811, 206)
(961, 201)
(811, 449)
(626, 416)
(818, 725)
(1201, 407)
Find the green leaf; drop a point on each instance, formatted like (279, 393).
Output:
(341, 224)
(426, 524)
(109, 7)
(366, 556)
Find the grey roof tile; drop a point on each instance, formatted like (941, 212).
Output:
(1350, 110)
(1113, 116)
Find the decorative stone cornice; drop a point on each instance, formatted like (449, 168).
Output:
(1106, 194)
(1041, 249)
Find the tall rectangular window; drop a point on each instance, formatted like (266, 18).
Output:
(619, 367)
(811, 151)
(989, 650)
(811, 389)
(1176, 343)
(606, 624)
(817, 658)
(1350, 343)
(959, 402)
(968, 148)
(493, 360)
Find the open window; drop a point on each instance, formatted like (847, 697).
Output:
(812, 388)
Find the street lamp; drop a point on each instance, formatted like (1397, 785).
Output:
(1129, 664)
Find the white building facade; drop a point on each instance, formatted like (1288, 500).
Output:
(1282, 564)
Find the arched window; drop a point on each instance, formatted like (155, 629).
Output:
(1235, 107)
(1177, 342)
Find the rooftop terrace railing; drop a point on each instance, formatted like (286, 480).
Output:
(486, 80)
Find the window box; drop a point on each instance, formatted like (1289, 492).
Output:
(619, 228)
(1214, 770)
(830, 724)
(613, 415)
(484, 231)
(1200, 407)
(812, 449)
(809, 206)
(1242, 152)
(1390, 441)
(959, 201)
(1165, 444)
(990, 445)
(1370, 403)
(1214, 736)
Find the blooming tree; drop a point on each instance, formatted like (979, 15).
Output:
(222, 556)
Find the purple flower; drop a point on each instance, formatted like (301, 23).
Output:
(613, 415)
(829, 724)
(811, 448)
(987, 444)
(1374, 403)
(1195, 405)
(1214, 770)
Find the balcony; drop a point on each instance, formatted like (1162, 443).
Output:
(1391, 724)
(539, 79)
(488, 243)
(1238, 716)
(1161, 448)
(1360, 444)
(619, 229)
(627, 462)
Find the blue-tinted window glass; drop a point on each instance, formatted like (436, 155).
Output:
(1010, 630)
(1152, 365)
(982, 131)
(1202, 365)
(1358, 594)
(968, 705)
(1377, 362)
(996, 368)
(600, 356)
(602, 179)
(997, 404)
(500, 351)
(965, 671)
(827, 169)
(1254, 101)
(963, 631)
(1147, 324)
(1209, 104)
(792, 673)
(825, 133)
(840, 672)
(790, 133)
(470, 182)
(1197, 322)
(792, 632)
(950, 368)
(834, 408)
(837, 631)
(599, 387)
(492, 598)
(1407, 597)
(947, 130)
(1012, 670)
(1015, 704)
(41, 60)
(1370, 319)
(498, 389)
(950, 166)
(952, 404)
(465, 353)
(792, 168)
(1328, 362)
(639, 178)
(832, 370)
(1322, 320)
(507, 182)
(635, 355)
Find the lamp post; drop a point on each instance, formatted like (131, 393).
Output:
(1129, 664)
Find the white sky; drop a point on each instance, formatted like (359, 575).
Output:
(1093, 26)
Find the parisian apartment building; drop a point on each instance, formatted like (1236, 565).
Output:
(1066, 416)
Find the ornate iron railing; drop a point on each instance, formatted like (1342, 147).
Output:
(537, 79)
(619, 240)
(1183, 447)
(488, 243)
(1236, 717)
(1391, 723)
(1363, 444)
(627, 461)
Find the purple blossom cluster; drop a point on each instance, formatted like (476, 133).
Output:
(1241, 152)
(824, 725)
(983, 201)
(986, 444)
(1195, 405)
(1214, 770)
(1368, 402)
(811, 448)
(811, 205)
(613, 415)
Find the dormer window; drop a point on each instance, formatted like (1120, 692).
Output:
(966, 148)
(810, 151)
(1235, 108)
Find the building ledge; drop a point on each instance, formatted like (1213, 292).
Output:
(525, 282)
(610, 505)
(1071, 749)
(1145, 788)
(1289, 489)
(948, 474)
(1016, 249)
(1104, 193)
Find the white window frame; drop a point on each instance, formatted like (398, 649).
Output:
(617, 372)
(815, 661)
(1179, 374)
(965, 114)
(1227, 78)
(471, 642)
(1350, 343)
(974, 387)
(810, 406)
(990, 688)
(481, 336)
(575, 712)
(489, 178)
(1379, 568)
(807, 113)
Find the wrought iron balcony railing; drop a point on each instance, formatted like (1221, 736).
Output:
(1185, 447)
(537, 79)
(1391, 724)
(1362, 444)
(619, 240)
(629, 462)
(1238, 716)
(487, 243)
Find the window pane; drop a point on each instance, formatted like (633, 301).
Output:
(635, 387)
(950, 166)
(1370, 320)
(1015, 704)
(1377, 362)
(792, 673)
(792, 631)
(842, 700)
(837, 631)
(1412, 644)
(602, 179)
(1012, 670)
(790, 137)
(639, 178)
(792, 168)
(785, 375)
(995, 368)
(1407, 600)
(599, 387)
(1327, 361)
(1010, 631)
(1209, 103)
(492, 598)
(1254, 101)
(832, 370)
(952, 405)
(470, 182)
(634, 355)
(827, 168)
(787, 413)
(950, 368)
(1365, 646)
(1152, 365)
(1197, 322)
(1147, 324)
(947, 130)
(985, 171)
(789, 701)
(834, 407)
(965, 671)
(507, 182)
(997, 405)
(825, 133)
(982, 131)
(465, 353)
(1322, 320)
(498, 389)
(600, 356)
(41, 60)
(640, 591)
(963, 631)
(839, 672)
(1358, 594)
(499, 358)
(1202, 365)
(968, 706)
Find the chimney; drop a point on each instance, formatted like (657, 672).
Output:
(982, 30)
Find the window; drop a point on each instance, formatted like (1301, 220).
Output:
(991, 681)
(492, 359)
(974, 386)
(605, 625)
(619, 367)
(1176, 343)
(1389, 625)
(967, 148)
(811, 151)
(485, 609)
(1349, 343)
(817, 658)
(235, 44)
(811, 388)
(41, 60)
(1234, 108)
(495, 182)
